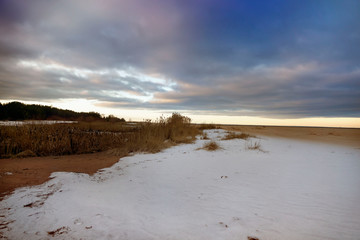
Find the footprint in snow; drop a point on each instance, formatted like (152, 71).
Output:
(78, 221)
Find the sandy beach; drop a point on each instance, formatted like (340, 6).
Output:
(341, 136)
(207, 120)
(286, 188)
(20, 172)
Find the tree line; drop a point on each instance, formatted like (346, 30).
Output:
(15, 111)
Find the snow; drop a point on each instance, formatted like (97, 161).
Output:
(21, 123)
(289, 190)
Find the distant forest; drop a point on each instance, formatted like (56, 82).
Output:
(18, 111)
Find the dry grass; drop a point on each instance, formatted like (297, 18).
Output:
(58, 139)
(233, 135)
(153, 137)
(77, 138)
(211, 146)
(204, 136)
(205, 126)
(253, 146)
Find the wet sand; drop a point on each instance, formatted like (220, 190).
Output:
(21, 172)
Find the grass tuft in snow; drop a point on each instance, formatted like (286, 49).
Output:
(253, 146)
(211, 146)
(233, 135)
(204, 136)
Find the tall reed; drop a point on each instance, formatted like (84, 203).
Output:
(77, 138)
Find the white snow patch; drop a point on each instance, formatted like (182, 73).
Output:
(290, 190)
(37, 122)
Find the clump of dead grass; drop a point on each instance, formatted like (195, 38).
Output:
(233, 135)
(254, 146)
(165, 132)
(204, 136)
(26, 153)
(211, 146)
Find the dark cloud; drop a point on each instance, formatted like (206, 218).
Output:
(272, 58)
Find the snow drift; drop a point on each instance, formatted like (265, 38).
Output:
(286, 190)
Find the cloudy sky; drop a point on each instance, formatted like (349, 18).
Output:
(249, 62)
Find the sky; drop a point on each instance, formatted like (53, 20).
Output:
(274, 62)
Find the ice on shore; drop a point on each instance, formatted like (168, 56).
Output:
(289, 190)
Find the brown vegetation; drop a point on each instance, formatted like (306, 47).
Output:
(59, 139)
(253, 146)
(233, 135)
(59, 146)
(211, 146)
(59, 231)
(205, 126)
(204, 136)
(153, 137)
(88, 137)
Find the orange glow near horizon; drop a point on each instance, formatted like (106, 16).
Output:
(304, 122)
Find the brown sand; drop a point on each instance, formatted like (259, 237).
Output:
(36, 170)
(341, 136)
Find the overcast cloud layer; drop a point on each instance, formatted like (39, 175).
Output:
(262, 58)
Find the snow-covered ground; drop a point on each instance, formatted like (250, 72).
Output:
(39, 122)
(289, 190)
